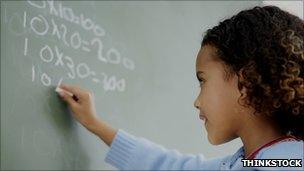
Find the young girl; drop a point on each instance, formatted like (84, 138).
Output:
(250, 69)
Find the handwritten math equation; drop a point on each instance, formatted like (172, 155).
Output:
(42, 25)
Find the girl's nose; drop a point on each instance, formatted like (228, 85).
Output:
(196, 104)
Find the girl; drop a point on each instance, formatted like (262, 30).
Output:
(250, 69)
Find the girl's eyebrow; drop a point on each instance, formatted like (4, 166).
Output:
(198, 73)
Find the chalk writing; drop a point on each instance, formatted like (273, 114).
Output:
(25, 46)
(54, 55)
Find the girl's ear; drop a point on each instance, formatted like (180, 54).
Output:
(242, 89)
(243, 93)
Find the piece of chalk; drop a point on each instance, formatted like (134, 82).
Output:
(58, 90)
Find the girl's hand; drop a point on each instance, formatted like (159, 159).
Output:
(83, 109)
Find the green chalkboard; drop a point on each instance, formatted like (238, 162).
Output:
(138, 58)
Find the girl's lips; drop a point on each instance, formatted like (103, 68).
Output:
(202, 117)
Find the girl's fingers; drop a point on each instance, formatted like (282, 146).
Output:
(73, 89)
(69, 99)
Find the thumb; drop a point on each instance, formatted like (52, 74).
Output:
(69, 99)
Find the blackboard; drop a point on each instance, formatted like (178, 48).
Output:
(137, 57)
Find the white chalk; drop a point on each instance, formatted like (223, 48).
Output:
(58, 89)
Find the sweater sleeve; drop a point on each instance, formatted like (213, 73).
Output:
(128, 152)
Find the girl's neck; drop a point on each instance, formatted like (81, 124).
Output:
(258, 133)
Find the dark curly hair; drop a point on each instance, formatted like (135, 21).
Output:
(264, 47)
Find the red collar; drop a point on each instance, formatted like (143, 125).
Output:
(281, 139)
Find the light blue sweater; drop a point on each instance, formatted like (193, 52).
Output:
(128, 152)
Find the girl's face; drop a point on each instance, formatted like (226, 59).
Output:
(217, 100)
